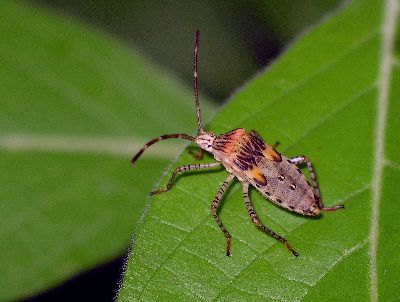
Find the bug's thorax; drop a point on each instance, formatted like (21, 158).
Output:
(224, 147)
(227, 147)
(230, 143)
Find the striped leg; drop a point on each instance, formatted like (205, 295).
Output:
(299, 160)
(257, 222)
(184, 169)
(214, 207)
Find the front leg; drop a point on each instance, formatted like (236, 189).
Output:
(299, 160)
(184, 169)
(214, 207)
(257, 222)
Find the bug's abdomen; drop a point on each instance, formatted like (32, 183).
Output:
(287, 187)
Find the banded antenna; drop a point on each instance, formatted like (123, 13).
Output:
(195, 83)
(196, 100)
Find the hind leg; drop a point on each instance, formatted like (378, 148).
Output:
(257, 222)
(299, 160)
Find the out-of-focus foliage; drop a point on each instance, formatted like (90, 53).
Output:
(75, 106)
(242, 35)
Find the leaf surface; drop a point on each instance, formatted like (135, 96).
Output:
(333, 97)
(75, 106)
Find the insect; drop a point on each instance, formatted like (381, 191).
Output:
(250, 160)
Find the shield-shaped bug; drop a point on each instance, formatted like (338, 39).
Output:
(246, 157)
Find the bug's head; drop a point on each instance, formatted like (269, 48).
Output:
(205, 141)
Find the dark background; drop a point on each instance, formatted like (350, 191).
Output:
(238, 38)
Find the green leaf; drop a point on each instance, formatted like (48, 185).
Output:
(75, 106)
(333, 96)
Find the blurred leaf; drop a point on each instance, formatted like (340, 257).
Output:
(164, 30)
(333, 97)
(75, 106)
(287, 18)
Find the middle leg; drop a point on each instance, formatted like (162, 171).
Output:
(257, 222)
(214, 207)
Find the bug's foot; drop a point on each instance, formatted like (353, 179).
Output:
(159, 191)
(228, 246)
(334, 208)
(291, 249)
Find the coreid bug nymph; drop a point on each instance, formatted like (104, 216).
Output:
(248, 158)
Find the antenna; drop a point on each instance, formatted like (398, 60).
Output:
(195, 83)
(198, 112)
(161, 138)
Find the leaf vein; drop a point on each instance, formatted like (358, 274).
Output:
(260, 254)
(162, 264)
(324, 68)
(213, 264)
(337, 110)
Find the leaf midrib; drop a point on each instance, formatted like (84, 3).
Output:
(388, 32)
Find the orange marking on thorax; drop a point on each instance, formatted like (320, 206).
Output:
(231, 141)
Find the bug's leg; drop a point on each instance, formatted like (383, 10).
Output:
(257, 222)
(299, 160)
(184, 169)
(197, 154)
(214, 207)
